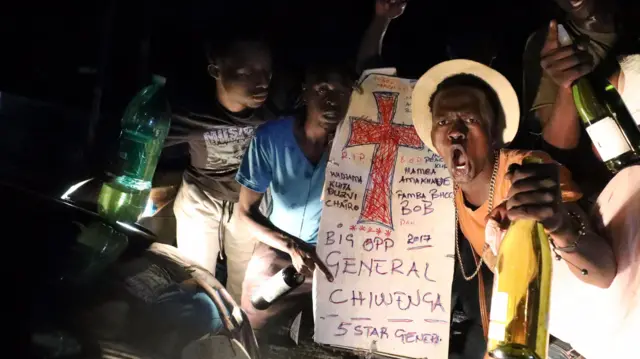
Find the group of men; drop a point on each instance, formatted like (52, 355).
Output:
(240, 149)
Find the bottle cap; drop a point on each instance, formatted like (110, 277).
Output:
(159, 80)
(563, 36)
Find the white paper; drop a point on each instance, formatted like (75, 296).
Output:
(387, 232)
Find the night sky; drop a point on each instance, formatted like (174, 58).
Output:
(46, 42)
(53, 52)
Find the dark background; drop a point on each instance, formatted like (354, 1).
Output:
(48, 41)
(68, 68)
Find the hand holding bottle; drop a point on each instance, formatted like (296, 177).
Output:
(305, 259)
(535, 194)
(564, 64)
(390, 9)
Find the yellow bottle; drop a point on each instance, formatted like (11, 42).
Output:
(519, 315)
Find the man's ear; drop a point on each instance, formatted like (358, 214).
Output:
(214, 71)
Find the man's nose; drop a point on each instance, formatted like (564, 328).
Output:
(457, 132)
(263, 80)
(332, 99)
(456, 135)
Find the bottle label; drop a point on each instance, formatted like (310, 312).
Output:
(498, 316)
(132, 154)
(608, 139)
(273, 288)
(497, 331)
(499, 307)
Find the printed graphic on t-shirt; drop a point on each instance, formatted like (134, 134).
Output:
(226, 145)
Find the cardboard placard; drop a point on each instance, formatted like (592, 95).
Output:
(387, 232)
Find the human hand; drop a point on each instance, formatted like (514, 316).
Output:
(500, 216)
(305, 259)
(390, 9)
(535, 194)
(564, 64)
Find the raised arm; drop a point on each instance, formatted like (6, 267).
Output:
(562, 65)
(371, 45)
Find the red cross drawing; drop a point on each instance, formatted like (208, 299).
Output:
(387, 137)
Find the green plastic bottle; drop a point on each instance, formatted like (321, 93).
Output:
(145, 126)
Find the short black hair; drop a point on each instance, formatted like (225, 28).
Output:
(468, 80)
(321, 67)
(221, 46)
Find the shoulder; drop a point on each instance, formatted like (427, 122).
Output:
(277, 130)
(275, 125)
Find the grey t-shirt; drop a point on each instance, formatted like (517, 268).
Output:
(216, 139)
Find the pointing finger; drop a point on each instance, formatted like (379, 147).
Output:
(323, 268)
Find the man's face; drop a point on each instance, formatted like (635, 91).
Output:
(579, 9)
(327, 97)
(245, 74)
(461, 131)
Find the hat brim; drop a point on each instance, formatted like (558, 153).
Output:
(428, 83)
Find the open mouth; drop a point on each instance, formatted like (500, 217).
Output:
(260, 97)
(330, 115)
(459, 161)
(576, 3)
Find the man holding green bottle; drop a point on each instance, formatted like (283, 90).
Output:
(217, 126)
(603, 37)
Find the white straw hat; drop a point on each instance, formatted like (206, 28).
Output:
(427, 84)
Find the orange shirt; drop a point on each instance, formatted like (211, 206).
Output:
(473, 222)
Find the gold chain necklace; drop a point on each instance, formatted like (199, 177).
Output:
(492, 187)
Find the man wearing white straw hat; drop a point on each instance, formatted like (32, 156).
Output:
(467, 112)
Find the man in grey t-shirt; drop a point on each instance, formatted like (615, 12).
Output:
(217, 125)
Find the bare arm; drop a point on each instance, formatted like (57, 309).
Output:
(303, 255)
(249, 214)
(593, 252)
(371, 44)
(561, 123)
(563, 65)
(561, 126)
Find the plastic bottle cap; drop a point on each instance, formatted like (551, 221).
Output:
(563, 36)
(157, 79)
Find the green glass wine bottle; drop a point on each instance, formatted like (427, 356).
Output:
(520, 303)
(606, 118)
